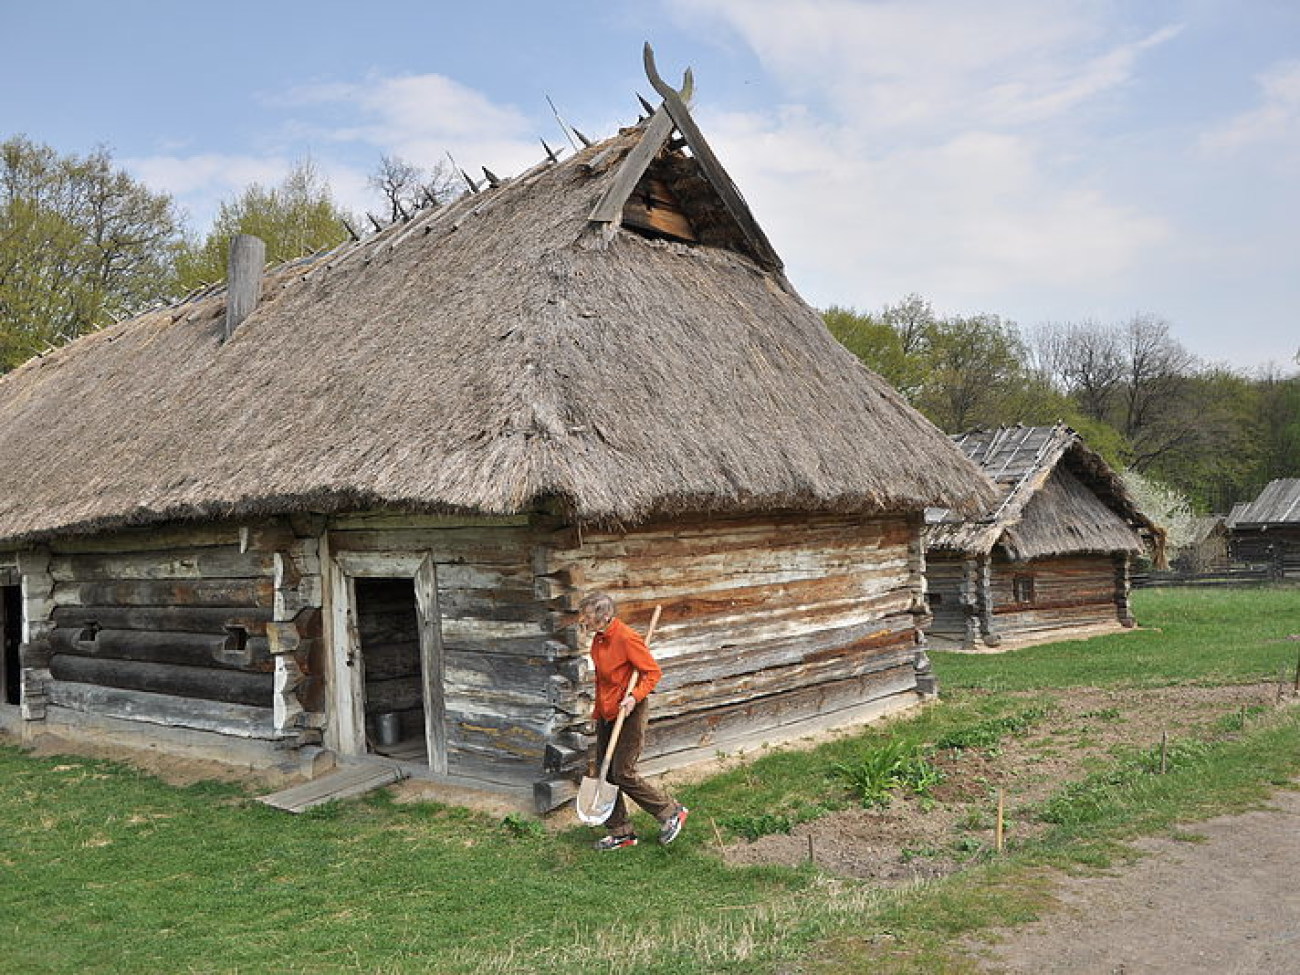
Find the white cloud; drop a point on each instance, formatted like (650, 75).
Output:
(421, 118)
(963, 222)
(345, 127)
(1274, 121)
(926, 147)
(201, 181)
(919, 65)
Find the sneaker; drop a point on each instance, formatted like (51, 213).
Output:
(615, 842)
(673, 825)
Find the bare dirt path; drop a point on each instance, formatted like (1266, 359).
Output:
(1225, 901)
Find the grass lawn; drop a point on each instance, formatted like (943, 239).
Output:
(105, 869)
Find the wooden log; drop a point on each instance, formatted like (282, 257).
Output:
(196, 593)
(559, 757)
(480, 546)
(552, 792)
(171, 619)
(208, 563)
(753, 720)
(379, 520)
(203, 683)
(153, 538)
(227, 651)
(232, 720)
(244, 279)
(758, 685)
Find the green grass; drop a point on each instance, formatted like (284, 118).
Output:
(104, 869)
(1206, 636)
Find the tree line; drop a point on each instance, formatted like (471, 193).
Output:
(83, 244)
(1134, 392)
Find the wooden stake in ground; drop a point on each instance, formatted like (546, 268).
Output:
(1164, 751)
(997, 830)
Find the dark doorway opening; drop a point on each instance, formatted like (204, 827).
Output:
(11, 622)
(388, 630)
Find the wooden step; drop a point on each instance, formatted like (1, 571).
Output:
(342, 783)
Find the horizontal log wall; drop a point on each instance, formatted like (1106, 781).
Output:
(947, 588)
(767, 622)
(506, 678)
(177, 625)
(1070, 592)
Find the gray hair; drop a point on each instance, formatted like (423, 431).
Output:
(599, 604)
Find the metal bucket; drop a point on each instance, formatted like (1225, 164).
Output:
(388, 727)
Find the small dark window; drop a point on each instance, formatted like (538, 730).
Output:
(1022, 589)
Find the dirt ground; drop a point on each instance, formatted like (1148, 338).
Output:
(1220, 899)
(1223, 900)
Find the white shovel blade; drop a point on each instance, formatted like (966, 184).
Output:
(595, 801)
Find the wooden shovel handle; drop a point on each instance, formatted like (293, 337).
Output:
(631, 686)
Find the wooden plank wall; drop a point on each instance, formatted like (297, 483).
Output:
(1069, 592)
(946, 579)
(767, 622)
(176, 625)
(509, 684)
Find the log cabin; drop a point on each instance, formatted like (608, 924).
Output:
(1050, 560)
(1267, 529)
(345, 507)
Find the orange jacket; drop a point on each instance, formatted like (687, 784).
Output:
(617, 652)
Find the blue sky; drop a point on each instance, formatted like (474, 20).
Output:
(1041, 160)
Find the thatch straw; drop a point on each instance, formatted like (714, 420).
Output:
(484, 357)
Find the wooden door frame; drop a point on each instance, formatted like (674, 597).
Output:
(346, 731)
(8, 625)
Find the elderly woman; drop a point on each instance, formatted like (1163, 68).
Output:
(617, 651)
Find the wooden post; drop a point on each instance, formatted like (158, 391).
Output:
(811, 858)
(1164, 751)
(243, 279)
(998, 828)
(717, 833)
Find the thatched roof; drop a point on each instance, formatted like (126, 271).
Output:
(1056, 496)
(1277, 504)
(482, 357)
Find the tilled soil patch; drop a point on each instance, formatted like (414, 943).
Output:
(1083, 730)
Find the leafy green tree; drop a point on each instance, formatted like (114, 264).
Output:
(81, 244)
(960, 372)
(296, 217)
(973, 365)
(879, 345)
(1277, 408)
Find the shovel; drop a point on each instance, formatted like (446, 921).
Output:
(596, 795)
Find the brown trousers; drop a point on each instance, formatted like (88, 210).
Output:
(623, 773)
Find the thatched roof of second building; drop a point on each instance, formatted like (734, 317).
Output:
(1056, 496)
(485, 355)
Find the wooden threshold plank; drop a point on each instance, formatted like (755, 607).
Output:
(343, 783)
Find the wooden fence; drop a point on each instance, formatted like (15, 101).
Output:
(1233, 574)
